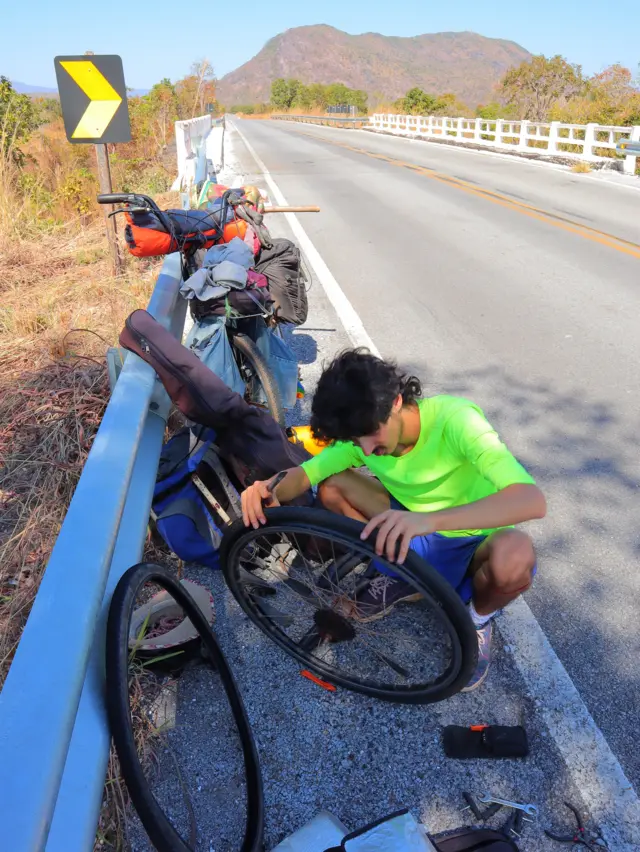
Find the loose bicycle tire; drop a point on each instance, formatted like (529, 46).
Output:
(345, 531)
(161, 832)
(248, 349)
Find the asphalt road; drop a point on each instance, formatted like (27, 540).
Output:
(530, 316)
(533, 314)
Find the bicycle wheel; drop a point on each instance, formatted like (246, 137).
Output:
(300, 579)
(157, 824)
(255, 370)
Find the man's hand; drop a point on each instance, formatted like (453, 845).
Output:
(254, 498)
(397, 528)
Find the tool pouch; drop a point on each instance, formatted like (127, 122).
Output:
(484, 741)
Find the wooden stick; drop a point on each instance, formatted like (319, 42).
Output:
(291, 209)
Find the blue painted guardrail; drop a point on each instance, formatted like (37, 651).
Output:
(54, 736)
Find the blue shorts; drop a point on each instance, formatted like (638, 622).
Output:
(450, 556)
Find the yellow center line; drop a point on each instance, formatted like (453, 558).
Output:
(557, 221)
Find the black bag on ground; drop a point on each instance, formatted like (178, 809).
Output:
(282, 265)
(248, 438)
(474, 840)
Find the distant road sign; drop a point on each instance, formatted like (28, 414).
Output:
(93, 97)
(626, 147)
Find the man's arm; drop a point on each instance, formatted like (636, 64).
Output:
(514, 504)
(333, 459)
(256, 496)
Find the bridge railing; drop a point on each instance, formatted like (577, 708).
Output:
(330, 120)
(200, 150)
(588, 142)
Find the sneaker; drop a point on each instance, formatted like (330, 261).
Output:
(484, 635)
(381, 595)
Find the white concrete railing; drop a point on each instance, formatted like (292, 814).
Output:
(578, 141)
(199, 144)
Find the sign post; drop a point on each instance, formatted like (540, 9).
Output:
(93, 97)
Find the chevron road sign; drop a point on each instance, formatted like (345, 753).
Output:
(626, 146)
(93, 97)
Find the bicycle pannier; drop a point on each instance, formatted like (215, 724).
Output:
(282, 266)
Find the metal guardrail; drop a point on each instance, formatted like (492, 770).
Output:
(335, 121)
(54, 737)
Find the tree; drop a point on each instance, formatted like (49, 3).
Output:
(163, 110)
(614, 96)
(535, 86)
(418, 102)
(304, 97)
(284, 93)
(610, 97)
(18, 120)
(318, 95)
(195, 91)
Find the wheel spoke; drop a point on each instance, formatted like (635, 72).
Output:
(397, 668)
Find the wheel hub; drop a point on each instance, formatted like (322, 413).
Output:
(332, 626)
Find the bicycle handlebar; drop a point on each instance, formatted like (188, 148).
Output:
(133, 199)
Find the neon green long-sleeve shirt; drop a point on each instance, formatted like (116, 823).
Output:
(458, 458)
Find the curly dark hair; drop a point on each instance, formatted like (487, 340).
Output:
(355, 395)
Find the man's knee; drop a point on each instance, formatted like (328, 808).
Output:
(510, 560)
(330, 493)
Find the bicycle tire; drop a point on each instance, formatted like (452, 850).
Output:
(160, 830)
(343, 530)
(248, 349)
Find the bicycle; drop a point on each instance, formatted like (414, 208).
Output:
(188, 232)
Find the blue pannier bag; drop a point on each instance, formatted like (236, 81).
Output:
(208, 339)
(281, 360)
(186, 522)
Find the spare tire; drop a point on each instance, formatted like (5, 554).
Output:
(160, 830)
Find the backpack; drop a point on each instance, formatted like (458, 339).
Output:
(281, 264)
(181, 516)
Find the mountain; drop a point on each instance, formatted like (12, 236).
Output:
(37, 91)
(386, 67)
(26, 89)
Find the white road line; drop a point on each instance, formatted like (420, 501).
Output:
(343, 307)
(594, 769)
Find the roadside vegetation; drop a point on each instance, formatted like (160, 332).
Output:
(543, 90)
(290, 95)
(60, 309)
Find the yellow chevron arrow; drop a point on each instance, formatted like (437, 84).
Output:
(104, 99)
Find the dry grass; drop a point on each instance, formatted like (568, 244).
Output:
(53, 391)
(111, 832)
(59, 310)
(581, 167)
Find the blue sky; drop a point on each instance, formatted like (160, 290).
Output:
(158, 38)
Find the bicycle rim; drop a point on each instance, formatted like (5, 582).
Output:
(256, 374)
(301, 582)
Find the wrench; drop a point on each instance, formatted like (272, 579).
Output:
(532, 810)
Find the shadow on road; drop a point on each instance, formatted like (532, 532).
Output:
(585, 456)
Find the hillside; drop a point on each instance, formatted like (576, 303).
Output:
(467, 64)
